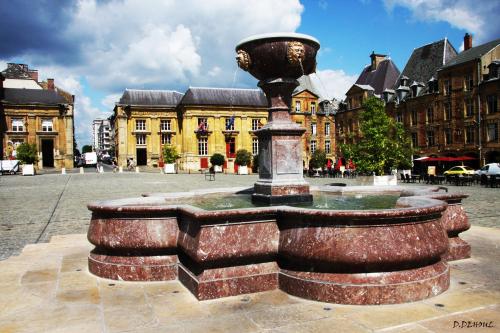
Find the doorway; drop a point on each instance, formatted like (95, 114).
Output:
(142, 156)
(48, 153)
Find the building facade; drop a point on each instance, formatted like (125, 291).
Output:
(101, 136)
(41, 113)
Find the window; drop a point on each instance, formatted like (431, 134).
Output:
(255, 146)
(141, 139)
(256, 124)
(327, 147)
(469, 108)
(17, 125)
(203, 146)
(47, 125)
(468, 82)
(140, 125)
(327, 129)
(414, 117)
(493, 132)
(447, 87)
(429, 116)
(230, 124)
(399, 117)
(430, 138)
(447, 111)
(165, 125)
(492, 101)
(313, 146)
(313, 107)
(313, 128)
(166, 139)
(469, 135)
(447, 136)
(297, 106)
(414, 139)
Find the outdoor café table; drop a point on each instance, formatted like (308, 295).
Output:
(414, 178)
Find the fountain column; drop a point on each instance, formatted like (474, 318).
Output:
(281, 177)
(277, 61)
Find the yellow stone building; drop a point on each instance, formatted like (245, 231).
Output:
(37, 113)
(144, 121)
(199, 123)
(313, 113)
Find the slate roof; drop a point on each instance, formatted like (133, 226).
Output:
(381, 78)
(306, 82)
(426, 60)
(150, 97)
(472, 53)
(224, 96)
(16, 71)
(32, 96)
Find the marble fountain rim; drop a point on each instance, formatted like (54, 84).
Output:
(277, 35)
(411, 203)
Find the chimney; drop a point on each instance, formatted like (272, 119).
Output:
(376, 59)
(50, 84)
(467, 41)
(33, 74)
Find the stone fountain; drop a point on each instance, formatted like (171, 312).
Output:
(378, 256)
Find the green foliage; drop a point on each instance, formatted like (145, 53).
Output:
(318, 159)
(26, 153)
(170, 154)
(384, 143)
(86, 149)
(217, 159)
(243, 157)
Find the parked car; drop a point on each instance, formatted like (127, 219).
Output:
(488, 170)
(459, 170)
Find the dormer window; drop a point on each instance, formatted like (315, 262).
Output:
(313, 107)
(297, 106)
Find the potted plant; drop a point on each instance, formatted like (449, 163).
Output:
(318, 160)
(170, 155)
(27, 154)
(217, 160)
(243, 159)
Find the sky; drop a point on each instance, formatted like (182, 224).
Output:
(95, 49)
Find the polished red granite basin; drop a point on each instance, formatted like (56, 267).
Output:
(352, 257)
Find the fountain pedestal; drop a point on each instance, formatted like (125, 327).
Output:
(280, 153)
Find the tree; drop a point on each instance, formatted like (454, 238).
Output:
(318, 159)
(217, 159)
(170, 154)
(86, 149)
(383, 145)
(26, 153)
(243, 157)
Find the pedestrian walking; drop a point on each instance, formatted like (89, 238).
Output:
(114, 164)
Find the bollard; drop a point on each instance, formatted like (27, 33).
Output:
(137, 169)
(120, 169)
(63, 171)
(81, 170)
(101, 169)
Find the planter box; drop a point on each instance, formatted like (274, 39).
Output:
(28, 170)
(169, 168)
(218, 168)
(242, 170)
(390, 180)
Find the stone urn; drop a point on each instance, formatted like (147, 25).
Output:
(278, 60)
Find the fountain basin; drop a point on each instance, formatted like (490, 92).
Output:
(351, 257)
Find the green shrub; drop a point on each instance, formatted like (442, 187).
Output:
(170, 154)
(217, 159)
(243, 157)
(26, 153)
(318, 159)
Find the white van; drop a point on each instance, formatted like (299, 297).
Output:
(489, 169)
(90, 159)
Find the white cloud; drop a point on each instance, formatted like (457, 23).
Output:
(109, 101)
(477, 17)
(335, 82)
